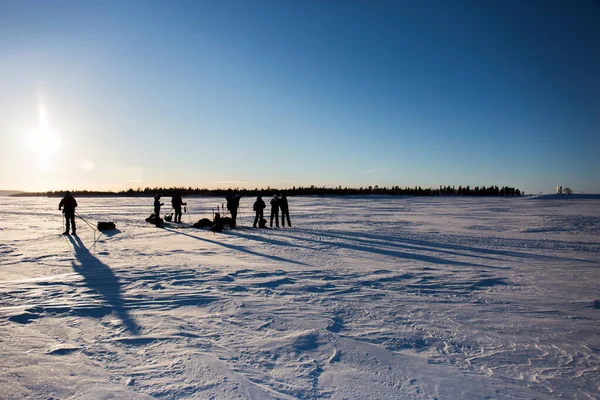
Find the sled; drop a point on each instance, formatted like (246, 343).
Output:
(106, 226)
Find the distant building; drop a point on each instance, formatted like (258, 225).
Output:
(559, 190)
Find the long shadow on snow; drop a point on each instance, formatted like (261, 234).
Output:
(269, 240)
(238, 248)
(381, 242)
(393, 253)
(99, 277)
(506, 253)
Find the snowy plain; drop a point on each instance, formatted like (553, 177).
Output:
(372, 297)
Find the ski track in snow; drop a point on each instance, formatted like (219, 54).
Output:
(365, 297)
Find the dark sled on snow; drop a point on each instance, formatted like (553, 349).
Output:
(106, 226)
(215, 226)
(228, 221)
(203, 223)
(154, 220)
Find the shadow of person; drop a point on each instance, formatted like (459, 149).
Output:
(238, 248)
(100, 278)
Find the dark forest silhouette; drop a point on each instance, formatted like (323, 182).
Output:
(295, 191)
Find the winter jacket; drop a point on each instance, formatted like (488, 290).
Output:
(177, 202)
(259, 205)
(283, 203)
(233, 201)
(275, 204)
(68, 203)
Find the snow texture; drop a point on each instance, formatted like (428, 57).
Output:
(363, 298)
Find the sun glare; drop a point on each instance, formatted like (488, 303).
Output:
(43, 142)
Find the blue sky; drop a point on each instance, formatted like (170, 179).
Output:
(112, 95)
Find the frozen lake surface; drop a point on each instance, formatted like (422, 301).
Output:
(363, 298)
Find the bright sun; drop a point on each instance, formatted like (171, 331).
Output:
(43, 142)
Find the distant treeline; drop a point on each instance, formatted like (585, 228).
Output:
(296, 191)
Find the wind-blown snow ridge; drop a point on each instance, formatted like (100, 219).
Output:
(370, 298)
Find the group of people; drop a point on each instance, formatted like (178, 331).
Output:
(176, 202)
(278, 203)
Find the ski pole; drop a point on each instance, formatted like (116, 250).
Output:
(185, 210)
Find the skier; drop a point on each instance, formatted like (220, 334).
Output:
(157, 205)
(233, 202)
(285, 210)
(177, 202)
(69, 203)
(258, 207)
(275, 210)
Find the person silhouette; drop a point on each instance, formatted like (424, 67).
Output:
(233, 202)
(68, 204)
(285, 210)
(177, 202)
(258, 207)
(217, 224)
(275, 210)
(157, 205)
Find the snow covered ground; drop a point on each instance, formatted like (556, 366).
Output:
(363, 298)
